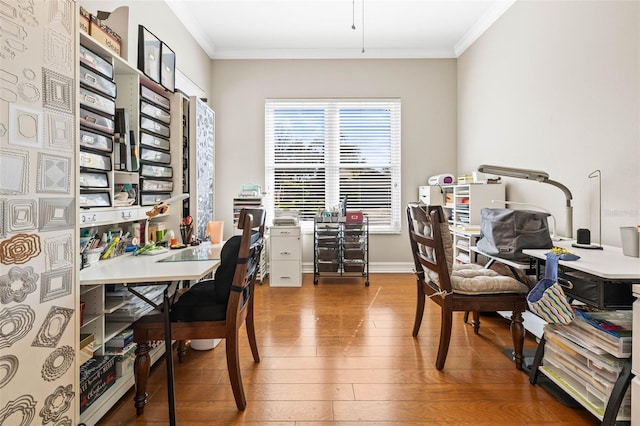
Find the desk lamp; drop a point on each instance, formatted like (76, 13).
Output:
(538, 176)
(161, 208)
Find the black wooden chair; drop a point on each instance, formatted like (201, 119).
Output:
(460, 287)
(211, 309)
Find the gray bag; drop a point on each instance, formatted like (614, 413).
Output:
(505, 232)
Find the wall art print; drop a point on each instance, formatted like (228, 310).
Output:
(149, 54)
(15, 323)
(168, 68)
(20, 249)
(17, 284)
(53, 327)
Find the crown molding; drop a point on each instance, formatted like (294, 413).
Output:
(353, 53)
(483, 24)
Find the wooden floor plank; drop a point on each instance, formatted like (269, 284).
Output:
(341, 354)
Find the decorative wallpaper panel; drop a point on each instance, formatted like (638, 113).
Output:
(38, 331)
(205, 162)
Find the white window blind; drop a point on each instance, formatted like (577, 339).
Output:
(319, 151)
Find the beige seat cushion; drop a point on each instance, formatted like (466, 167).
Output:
(469, 278)
(474, 279)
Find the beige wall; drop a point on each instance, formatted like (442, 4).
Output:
(551, 85)
(427, 89)
(555, 86)
(160, 20)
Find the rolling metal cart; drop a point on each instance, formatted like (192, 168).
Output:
(340, 248)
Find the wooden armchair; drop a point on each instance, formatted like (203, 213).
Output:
(211, 309)
(466, 288)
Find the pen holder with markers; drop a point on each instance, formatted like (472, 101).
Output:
(186, 233)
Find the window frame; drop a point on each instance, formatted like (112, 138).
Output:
(333, 140)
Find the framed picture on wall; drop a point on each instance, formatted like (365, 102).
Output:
(149, 48)
(168, 68)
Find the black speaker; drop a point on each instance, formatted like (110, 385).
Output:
(584, 236)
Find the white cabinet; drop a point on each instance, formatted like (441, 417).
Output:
(285, 256)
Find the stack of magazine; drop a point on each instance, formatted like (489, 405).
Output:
(607, 330)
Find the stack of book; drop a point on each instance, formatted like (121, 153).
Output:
(122, 348)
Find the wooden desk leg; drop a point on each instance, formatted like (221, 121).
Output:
(517, 334)
(141, 368)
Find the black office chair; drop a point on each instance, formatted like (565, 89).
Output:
(211, 309)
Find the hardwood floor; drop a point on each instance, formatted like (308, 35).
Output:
(340, 353)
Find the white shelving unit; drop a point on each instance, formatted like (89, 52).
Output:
(462, 204)
(105, 317)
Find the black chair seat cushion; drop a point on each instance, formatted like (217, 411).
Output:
(207, 300)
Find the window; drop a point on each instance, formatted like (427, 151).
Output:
(319, 151)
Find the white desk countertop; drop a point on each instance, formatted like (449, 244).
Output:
(147, 268)
(606, 263)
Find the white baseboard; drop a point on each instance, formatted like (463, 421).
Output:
(375, 267)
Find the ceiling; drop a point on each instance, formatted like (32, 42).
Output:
(306, 29)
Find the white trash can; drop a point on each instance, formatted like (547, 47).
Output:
(204, 344)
